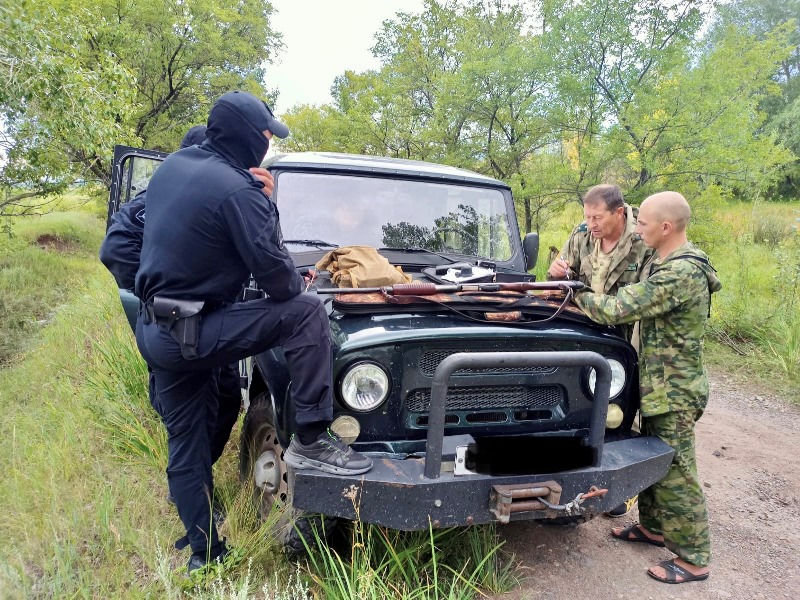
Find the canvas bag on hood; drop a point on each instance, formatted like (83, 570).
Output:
(360, 266)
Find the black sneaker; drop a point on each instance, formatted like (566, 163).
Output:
(328, 453)
(200, 562)
(623, 509)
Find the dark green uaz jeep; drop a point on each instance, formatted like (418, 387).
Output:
(477, 404)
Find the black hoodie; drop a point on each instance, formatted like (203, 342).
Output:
(208, 223)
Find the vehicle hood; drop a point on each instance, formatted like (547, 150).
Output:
(355, 332)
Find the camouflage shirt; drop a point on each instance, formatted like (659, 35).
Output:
(672, 303)
(627, 258)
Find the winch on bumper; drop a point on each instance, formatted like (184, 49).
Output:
(416, 493)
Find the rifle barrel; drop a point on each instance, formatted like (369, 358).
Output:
(429, 289)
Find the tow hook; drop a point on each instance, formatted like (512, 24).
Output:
(574, 507)
(507, 499)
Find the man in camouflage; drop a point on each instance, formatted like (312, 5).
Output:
(604, 253)
(672, 303)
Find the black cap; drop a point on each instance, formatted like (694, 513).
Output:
(255, 111)
(195, 136)
(277, 128)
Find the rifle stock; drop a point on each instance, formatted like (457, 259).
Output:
(429, 289)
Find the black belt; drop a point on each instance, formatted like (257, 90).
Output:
(150, 315)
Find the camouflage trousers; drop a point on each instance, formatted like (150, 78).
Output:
(675, 507)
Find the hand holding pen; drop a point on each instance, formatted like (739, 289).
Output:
(560, 269)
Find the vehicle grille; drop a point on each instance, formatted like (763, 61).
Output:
(490, 397)
(432, 358)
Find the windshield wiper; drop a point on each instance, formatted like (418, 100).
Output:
(415, 249)
(315, 243)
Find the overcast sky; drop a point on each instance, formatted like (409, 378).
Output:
(323, 38)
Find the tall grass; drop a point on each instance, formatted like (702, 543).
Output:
(435, 564)
(120, 378)
(755, 325)
(41, 262)
(82, 497)
(83, 506)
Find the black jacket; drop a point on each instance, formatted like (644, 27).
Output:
(208, 223)
(122, 245)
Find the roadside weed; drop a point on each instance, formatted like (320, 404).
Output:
(131, 426)
(420, 565)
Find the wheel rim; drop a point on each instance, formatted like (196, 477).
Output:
(269, 469)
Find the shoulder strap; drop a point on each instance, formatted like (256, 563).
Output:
(696, 259)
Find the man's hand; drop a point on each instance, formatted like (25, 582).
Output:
(264, 177)
(559, 269)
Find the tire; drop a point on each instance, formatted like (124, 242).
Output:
(301, 531)
(261, 455)
(261, 463)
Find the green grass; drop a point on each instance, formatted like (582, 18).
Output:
(83, 505)
(82, 496)
(755, 324)
(40, 263)
(461, 563)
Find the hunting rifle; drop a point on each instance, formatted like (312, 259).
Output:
(429, 289)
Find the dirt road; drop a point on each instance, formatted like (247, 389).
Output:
(748, 454)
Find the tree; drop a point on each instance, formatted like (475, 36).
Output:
(760, 19)
(660, 113)
(78, 78)
(50, 99)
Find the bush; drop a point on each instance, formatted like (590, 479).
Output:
(771, 229)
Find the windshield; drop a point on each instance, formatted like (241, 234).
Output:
(346, 210)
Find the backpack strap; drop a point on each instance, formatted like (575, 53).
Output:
(695, 259)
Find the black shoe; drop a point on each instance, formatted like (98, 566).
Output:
(328, 453)
(199, 561)
(623, 509)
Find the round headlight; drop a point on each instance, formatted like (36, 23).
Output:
(617, 378)
(365, 386)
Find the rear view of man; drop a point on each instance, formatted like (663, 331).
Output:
(208, 228)
(605, 254)
(120, 253)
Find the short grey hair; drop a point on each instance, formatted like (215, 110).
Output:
(608, 194)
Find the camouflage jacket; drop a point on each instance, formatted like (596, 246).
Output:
(672, 303)
(629, 256)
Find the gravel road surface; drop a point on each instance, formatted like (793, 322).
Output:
(748, 454)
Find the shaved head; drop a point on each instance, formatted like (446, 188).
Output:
(668, 207)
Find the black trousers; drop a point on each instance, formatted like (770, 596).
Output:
(187, 389)
(229, 392)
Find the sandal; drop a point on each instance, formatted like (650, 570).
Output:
(673, 571)
(634, 534)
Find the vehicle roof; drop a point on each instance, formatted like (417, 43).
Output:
(369, 165)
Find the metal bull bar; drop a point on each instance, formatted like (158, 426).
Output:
(484, 360)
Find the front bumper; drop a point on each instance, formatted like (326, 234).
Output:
(413, 493)
(396, 493)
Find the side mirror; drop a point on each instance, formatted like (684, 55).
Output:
(530, 247)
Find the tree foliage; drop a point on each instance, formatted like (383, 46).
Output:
(79, 77)
(761, 19)
(554, 96)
